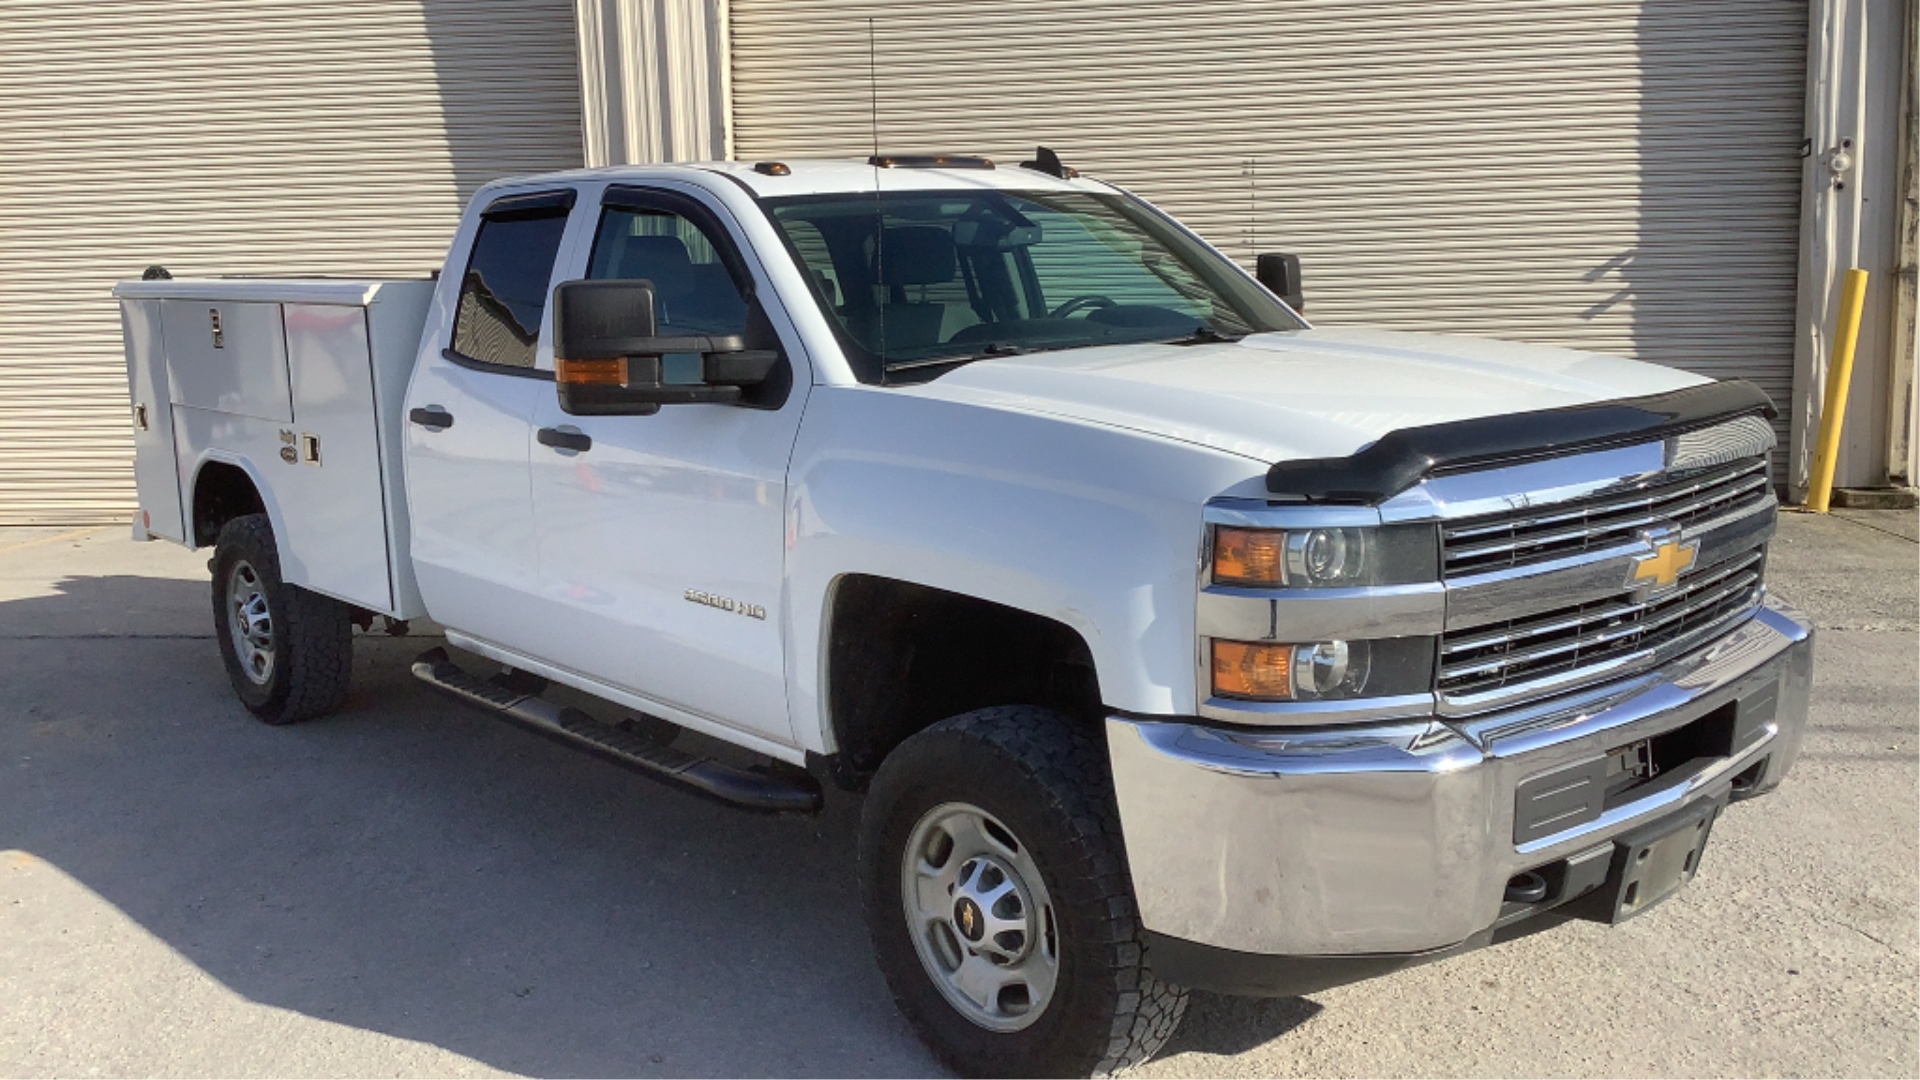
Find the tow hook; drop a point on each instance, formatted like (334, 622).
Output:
(1526, 887)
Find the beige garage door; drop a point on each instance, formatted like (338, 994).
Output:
(233, 137)
(1619, 175)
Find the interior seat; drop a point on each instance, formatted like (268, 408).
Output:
(690, 297)
(913, 256)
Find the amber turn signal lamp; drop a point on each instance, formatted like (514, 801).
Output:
(1242, 669)
(1248, 556)
(591, 372)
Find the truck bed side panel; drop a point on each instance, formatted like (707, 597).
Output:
(394, 319)
(300, 385)
(154, 476)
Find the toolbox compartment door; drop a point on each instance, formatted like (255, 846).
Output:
(228, 356)
(331, 493)
(154, 476)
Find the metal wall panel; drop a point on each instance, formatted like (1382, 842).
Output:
(1601, 174)
(233, 137)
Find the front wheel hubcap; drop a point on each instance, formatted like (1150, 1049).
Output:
(250, 622)
(980, 917)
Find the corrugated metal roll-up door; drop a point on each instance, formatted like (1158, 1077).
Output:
(1617, 175)
(233, 137)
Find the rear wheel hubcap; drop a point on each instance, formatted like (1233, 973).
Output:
(250, 622)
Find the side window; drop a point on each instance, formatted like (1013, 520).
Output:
(818, 260)
(693, 291)
(504, 290)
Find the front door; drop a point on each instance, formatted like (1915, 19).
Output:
(468, 406)
(661, 543)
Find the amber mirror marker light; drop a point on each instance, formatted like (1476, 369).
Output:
(591, 372)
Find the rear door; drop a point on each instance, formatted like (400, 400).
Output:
(468, 408)
(661, 545)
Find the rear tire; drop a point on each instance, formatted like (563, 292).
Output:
(1013, 805)
(288, 651)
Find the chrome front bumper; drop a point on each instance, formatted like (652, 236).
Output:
(1400, 837)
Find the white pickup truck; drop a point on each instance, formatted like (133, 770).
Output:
(1174, 643)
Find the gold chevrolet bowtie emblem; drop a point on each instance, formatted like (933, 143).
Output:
(1656, 573)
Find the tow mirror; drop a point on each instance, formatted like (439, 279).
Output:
(1281, 275)
(607, 355)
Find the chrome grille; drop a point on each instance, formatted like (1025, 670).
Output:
(1706, 601)
(1535, 534)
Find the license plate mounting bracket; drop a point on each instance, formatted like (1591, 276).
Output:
(1652, 862)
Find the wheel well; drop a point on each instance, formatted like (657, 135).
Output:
(221, 493)
(901, 656)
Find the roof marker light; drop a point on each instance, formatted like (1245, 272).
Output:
(928, 161)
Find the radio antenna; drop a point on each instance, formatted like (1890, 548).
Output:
(1251, 171)
(879, 220)
(873, 88)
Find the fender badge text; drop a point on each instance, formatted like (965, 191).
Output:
(727, 603)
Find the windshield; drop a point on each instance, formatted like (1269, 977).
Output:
(919, 281)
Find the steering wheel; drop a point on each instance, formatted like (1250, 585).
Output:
(1086, 300)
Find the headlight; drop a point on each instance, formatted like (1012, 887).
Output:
(1322, 670)
(1329, 557)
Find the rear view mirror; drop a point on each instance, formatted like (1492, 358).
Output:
(1281, 275)
(606, 355)
(995, 235)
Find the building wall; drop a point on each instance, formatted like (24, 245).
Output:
(1621, 176)
(1851, 217)
(1597, 173)
(233, 137)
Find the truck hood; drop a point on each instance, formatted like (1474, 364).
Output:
(1300, 394)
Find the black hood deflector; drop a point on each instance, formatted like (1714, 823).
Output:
(1402, 458)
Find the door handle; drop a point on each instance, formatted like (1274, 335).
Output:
(432, 416)
(562, 439)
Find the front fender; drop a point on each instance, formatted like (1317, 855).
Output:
(1096, 527)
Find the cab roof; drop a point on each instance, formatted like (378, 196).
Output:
(828, 177)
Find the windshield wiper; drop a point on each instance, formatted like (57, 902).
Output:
(1205, 335)
(997, 348)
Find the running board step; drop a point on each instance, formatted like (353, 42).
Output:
(704, 776)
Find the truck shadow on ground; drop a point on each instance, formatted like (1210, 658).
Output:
(414, 868)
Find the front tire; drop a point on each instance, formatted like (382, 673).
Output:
(288, 651)
(997, 894)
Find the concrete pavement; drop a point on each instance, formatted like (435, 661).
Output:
(409, 888)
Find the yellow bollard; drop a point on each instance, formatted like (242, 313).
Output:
(1826, 452)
